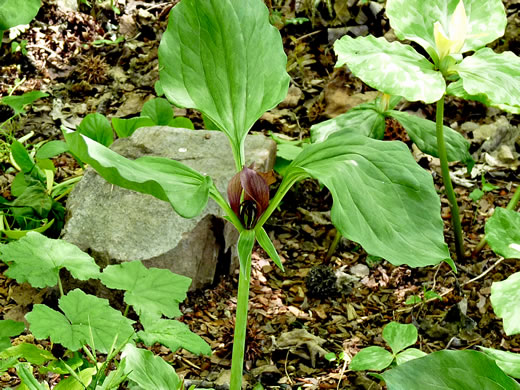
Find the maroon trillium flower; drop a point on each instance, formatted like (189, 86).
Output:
(254, 186)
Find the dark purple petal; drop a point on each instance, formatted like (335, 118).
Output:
(234, 193)
(255, 188)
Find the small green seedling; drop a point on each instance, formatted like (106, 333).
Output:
(398, 336)
(478, 193)
(427, 295)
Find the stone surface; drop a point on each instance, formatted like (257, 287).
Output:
(116, 225)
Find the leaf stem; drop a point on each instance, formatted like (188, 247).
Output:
(448, 186)
(60, 287)
(510, 206)
(127, 307)
(239, 339)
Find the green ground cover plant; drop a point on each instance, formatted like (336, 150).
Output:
(88, 324)
(445, 30)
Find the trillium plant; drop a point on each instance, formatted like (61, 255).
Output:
(448, 31)
(233, 72)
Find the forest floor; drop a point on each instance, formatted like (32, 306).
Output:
(77, 58)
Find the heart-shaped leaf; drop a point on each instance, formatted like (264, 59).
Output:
(493, 75)
(505, 296)
(172, 334)
(85, 319)
(148, 290)
(382, 198)
(8, 329)
(18, 103)
(37, 259)
(392, 68)
(233, 71)
(424, 134)
(159, 110)
(454, 370)
(97, 127)
(503, 233)
(414, 20)
(399, 336)
(166, 179)
(126, 127)
(363, 119)
(14, 12)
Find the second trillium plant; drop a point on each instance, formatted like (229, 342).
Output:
(233, 72)
(446, 29)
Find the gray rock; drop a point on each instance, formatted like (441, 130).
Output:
(116, 225)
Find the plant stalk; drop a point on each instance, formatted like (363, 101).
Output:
(60, 287)
(510, 206)
(239, 339)
(448, 186)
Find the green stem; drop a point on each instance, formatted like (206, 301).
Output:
(510, 206)
(333, 245)
(222, 202)
(60, 287)
(239, 340)
(127, 307)
(448, 187)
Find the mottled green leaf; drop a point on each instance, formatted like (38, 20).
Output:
(509, 362)
(172, 334)
(37, 259)
(423, 133)
(503, 233)
(85, 318)
(409, 354)
(371, 358)
(505, 296)
(233, 71)
(363, 119)
(494, 75)
(454, 370)
(392, 68)
(148, 290)
(382, 198)
(149, 371)
(399, 336)
(166, 179)
(414, 20)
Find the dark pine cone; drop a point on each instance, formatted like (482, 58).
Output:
(321, 282)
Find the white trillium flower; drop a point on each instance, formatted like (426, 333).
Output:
(453, 41)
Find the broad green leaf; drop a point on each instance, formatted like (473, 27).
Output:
(509, 362)
(392, 68)
(148, 290)
(34, 196)
(38, 259)
(114, 378)
(383, 199)
(85, 318)
(246, 241)
(166, 179)
(494, 75)
(60, 366)
(288, 151)
(21, 157)
(149, 371)
(457, 89)
(505, 296)
(181, 122)
(371, 358)
(363, 119)
(97, 127)
(503, 233)
(454, 370)
(424, 134)
(8, 329)
(29, 352)
(172, 334)
(409, 354)
(24, 371)
(233, 71)
(126, 127)
(70, 383)
(7, 364)
(399, 336)
(51, 149)
(414, 20)
(14, 13)
(18, 103)
(159, 110)
(265, 242)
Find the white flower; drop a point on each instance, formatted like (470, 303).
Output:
(453, 41)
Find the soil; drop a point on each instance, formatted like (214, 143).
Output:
(66, 59)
